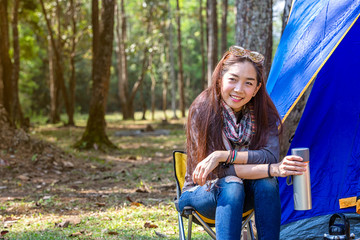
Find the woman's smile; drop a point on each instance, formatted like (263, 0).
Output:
(236, 98)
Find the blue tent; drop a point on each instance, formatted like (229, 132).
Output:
(321, 45)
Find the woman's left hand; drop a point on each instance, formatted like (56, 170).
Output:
(207, 165)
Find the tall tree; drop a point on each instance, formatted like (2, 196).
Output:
(103, 34)
(5, 59)
(202, 44)
(153, 85)
(57, 56)
(212, 49)
(165, 83)
(181, 72)
(172, 62)
(224, 26)
(17, 116)
(53, 81)
(122, 62)
(127, 98)
(72, 80)
(254, 27)
(1, 86)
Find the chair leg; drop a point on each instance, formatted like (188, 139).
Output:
(205, 226)
(189, 226)
(181, 228)
(251, 231)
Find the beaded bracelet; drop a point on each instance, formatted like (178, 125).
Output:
(234, 157)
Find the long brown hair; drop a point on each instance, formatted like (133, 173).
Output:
(206, 118)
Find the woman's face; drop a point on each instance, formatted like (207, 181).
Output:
(239, 85)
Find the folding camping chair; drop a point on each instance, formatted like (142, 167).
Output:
(179, 160)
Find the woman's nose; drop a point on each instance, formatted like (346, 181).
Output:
(238, 87)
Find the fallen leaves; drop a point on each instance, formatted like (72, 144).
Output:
(99, 204)
(112, 233)
(4, 232)
(9, 221)
(73, 221)
(150, 225)
(81, 233)
(23, 177)
(134, 203)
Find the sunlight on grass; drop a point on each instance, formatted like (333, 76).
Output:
(126, 222)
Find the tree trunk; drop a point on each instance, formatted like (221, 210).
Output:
(165, 74)
(143, 104)
(291, 122)
(181, 72)
(122, 64)
(140, 79)
(202, 49)
(172, 64)
(153, 85)
(58, 66)
(212, 38)
(1, 85)
(95, 135)
(5, 59)
(18, 116)
(254, 27)
(224, 26)
(164, 93)
(54, 86)
(72, 81)
(286, 14)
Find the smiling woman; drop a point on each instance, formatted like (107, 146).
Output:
(233, 149)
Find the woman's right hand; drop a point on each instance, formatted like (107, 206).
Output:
(290, 165)
(207, 165)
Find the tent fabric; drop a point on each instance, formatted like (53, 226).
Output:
(322, 40)
(314, 29)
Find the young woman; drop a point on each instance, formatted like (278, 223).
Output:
(233, 149)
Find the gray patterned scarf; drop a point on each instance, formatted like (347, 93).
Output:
(237, 135)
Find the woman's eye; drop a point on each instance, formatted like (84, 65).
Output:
(232, 79)
(249, 83)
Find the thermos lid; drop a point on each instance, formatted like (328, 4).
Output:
(301, 152)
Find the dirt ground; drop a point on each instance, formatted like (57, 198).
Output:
(40, 177)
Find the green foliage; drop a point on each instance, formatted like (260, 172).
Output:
(34, 74)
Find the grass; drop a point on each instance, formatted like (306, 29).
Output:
(103, 198)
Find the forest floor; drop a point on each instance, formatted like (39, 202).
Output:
(49, 190)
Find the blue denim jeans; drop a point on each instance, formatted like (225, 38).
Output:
(228, 197)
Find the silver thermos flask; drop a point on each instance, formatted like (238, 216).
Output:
(302, 184)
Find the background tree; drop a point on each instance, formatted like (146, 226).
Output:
(103, 34)
(180, 61)
(122, 62)
(254, 27)
(74, 41)
(212, 50)
(5, 59)
(72, 80)
(57, 50)
(17, 116)
(202, 46)
(224, 27)
(172, 62)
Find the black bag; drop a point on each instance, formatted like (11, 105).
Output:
(339, 231)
